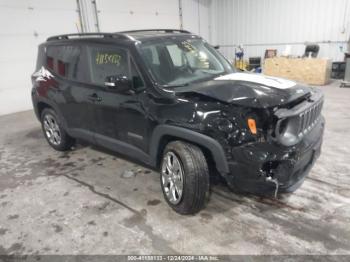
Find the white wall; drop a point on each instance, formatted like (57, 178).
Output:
(262, 24)
(24, 25)
(27, 23)
(119, 15)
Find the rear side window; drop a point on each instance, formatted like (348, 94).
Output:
(107, 61)
(63, 60)
(49, 62)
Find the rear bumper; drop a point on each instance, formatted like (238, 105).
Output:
(256, 165)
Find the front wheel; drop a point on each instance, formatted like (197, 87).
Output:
(184, 177)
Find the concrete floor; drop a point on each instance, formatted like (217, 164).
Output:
(79, 203)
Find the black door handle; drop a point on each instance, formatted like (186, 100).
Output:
(94, 97)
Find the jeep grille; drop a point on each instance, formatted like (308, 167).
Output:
(295, 123)
(309, 118)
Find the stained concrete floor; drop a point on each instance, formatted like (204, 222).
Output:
(79, 203)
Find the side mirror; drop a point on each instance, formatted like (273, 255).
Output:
(118, 83)
(216, 47)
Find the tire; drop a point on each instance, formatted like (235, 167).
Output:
(54, 132)
(191, 171)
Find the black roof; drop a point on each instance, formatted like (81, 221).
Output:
(124, 35)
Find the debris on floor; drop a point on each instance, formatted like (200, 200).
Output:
(128, 174)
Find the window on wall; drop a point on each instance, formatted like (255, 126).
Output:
(63, 60)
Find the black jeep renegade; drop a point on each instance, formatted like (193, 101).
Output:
(170, 100)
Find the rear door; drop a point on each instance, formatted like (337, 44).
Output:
(73, 93)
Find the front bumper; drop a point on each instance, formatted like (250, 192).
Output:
(258, 167)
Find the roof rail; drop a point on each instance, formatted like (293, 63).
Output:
(157, 30)
(82, 35)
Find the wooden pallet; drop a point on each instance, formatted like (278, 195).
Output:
(313, 71)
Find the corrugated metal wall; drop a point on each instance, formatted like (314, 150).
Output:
(262, 24)
(196, 17)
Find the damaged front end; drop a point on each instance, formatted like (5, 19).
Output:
(276, 156)
(281, 161)
(270, 129)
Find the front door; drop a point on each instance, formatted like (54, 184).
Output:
(121, 120)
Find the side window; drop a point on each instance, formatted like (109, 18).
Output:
(51, 57)
(63, 60)
(107, 61)
(49, 62)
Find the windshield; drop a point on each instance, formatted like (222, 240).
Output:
(178, 61)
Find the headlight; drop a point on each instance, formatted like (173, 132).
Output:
(224, 125)
(287, 131)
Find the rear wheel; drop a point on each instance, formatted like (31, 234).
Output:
(184, 177)
(53, 130)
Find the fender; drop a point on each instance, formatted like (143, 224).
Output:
(36, 100)
(200, 139)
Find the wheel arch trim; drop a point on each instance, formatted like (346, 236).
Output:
(205, 141)
(50, 105)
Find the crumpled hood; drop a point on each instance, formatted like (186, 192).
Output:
(248, 89)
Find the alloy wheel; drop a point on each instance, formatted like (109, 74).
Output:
(172, 178)
(52, 130)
